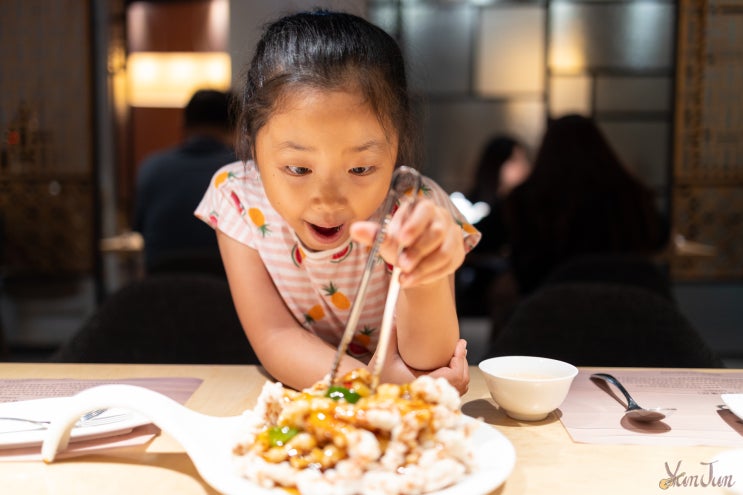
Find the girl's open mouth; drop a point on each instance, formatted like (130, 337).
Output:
(326, 234)
(326, 231)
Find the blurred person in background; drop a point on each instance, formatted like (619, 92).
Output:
(504, 164)
(170, 184)
(485, 285)
(579, 199)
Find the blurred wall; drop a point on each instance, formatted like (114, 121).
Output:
(247, 20)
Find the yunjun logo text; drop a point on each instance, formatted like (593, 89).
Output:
(678, 478)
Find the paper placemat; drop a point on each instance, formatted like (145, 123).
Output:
(11, 390)
(592, 415)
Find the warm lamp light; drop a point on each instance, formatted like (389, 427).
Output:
(169, 79)
(567, 61)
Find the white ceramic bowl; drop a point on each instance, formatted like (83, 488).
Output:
(528, 388)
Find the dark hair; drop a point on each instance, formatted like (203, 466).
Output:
(575, 153)
(578, 199)
(487, 174)
(208, 107)
(327, 50)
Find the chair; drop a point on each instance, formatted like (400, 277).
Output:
(168, 318)
(616, 268)
(188, 262)
(603, 324)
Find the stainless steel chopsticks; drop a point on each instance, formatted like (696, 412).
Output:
(405, 184)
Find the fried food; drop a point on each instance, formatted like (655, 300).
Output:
(345, 440)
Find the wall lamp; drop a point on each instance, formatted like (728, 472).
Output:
(169, 79)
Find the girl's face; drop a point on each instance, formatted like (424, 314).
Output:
(325, 162)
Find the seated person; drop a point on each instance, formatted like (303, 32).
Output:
(484, 284)
(579, 199)
(504, 164)
(171, 183)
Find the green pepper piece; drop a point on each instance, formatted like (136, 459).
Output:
(336, 392)
(279, 435)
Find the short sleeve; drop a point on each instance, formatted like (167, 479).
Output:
(226, 203)
(437, 194)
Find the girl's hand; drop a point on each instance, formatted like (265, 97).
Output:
(457, 373)
(432, 242)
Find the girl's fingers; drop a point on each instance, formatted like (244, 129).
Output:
(432, 242)
(457, 373)
(443, 259)
(364, 232)
(421, 230)
(411, 221)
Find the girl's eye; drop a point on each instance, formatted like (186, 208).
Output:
(297, 170)
(361, 170)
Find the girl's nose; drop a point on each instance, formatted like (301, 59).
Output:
(330, 192)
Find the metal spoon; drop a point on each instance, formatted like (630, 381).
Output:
(90, 418)
(634, 411)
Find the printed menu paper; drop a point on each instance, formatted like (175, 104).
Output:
(14, 393)
(593, 413)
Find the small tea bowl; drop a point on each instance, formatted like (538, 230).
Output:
(528, 388)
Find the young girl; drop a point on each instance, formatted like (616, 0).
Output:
(325, 119)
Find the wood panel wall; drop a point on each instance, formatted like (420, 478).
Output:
(47, 186)
(708, 162)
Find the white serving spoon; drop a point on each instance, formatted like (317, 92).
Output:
(208, 440)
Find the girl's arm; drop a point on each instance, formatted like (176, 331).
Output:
(428, 327)
(291, 354)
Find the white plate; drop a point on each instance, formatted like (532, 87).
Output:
(734, 403)
(209, 440)
(730, 463)
(494, 455)
(18, 434)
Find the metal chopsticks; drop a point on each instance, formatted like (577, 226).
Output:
(405, 184)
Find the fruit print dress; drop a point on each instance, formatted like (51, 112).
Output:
(317, 287)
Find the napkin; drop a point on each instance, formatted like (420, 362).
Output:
(17, 399)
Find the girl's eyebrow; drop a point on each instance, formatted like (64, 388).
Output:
(291, 145)
(372, 144)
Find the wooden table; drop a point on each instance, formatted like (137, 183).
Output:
(548, 461)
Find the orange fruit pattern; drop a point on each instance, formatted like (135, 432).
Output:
(257, 217)
(363, 338)
(338, 298)
(221, 177)
(315, 313)
(469, 228)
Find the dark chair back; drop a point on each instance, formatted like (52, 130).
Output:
(171, 319)
(614, 268)
(191, 262)
(600, 324)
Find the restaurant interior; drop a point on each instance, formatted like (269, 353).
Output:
(89, 88)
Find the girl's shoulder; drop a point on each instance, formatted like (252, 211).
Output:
(234, 200)
(234, 173)
(239, 180)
